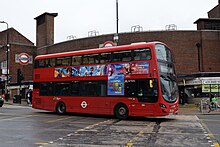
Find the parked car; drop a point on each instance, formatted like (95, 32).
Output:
(1, 101)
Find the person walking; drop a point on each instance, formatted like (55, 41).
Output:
(213, 102)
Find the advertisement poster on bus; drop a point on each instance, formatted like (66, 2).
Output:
(116, 85)
(103, 70)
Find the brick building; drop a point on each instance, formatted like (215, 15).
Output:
(19, 47)
(196, 51)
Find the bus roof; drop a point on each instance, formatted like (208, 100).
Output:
(96, 50)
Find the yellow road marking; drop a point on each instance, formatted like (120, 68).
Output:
(130, 142)
(41, 143)
(55, 120)
(216, 144)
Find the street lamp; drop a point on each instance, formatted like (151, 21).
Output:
(7, 45)
(116, 38)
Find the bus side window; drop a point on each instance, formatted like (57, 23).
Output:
(96, 58)
(76, 60)
(147, 90)
(41, 63)
(46, 89)
(105, 58)
(74, 90)
(130, 87)
(127, 56)
(52, 62)
(58, 62)
(142, 54)
(117, 56)
(47, 62)
(62, 89)
(93, 59)
(85, 59)
(87, 88)
(66, 61)
(63, 61)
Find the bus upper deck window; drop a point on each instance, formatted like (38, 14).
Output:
(105, 57)
(76, 60)
(52, 62)
(117, 56)
(94, 59)
(126, 56)
(63, 61)
(41, 63)
(142, 54)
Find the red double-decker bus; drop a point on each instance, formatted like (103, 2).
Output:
(129, 80)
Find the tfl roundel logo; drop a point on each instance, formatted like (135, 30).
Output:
(24, 58)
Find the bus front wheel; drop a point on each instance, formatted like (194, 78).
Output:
(61, 108)
(121, 111)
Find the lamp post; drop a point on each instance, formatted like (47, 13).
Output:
(7, 66)
(116, 38)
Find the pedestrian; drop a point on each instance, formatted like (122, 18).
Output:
(7, 96)
(213, 102)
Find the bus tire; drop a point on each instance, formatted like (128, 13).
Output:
(61, 108)
(121, 111)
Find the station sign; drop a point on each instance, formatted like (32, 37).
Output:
(107, 44)
(23, 58)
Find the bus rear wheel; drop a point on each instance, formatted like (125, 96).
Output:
(61, 108)
(121, 111)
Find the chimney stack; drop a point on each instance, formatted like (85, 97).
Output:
(45, 29)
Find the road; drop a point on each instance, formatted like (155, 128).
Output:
(211, 123)
(27, 127)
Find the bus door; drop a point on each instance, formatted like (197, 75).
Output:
(146, 93)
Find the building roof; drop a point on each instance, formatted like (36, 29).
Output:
(46, 13)
(206, 19)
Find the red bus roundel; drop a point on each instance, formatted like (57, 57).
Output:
(23, 58)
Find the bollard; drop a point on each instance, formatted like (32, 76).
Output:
(201, 106)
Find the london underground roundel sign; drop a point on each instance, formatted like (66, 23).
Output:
(23, 58)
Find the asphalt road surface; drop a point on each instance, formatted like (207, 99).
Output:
(23, 126)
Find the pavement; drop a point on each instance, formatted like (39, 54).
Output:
(11, 102)
(192, 109)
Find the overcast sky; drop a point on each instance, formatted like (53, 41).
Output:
(78, 17)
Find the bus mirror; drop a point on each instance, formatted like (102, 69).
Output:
(151, 84)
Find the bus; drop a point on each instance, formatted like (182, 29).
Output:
(129, 80)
